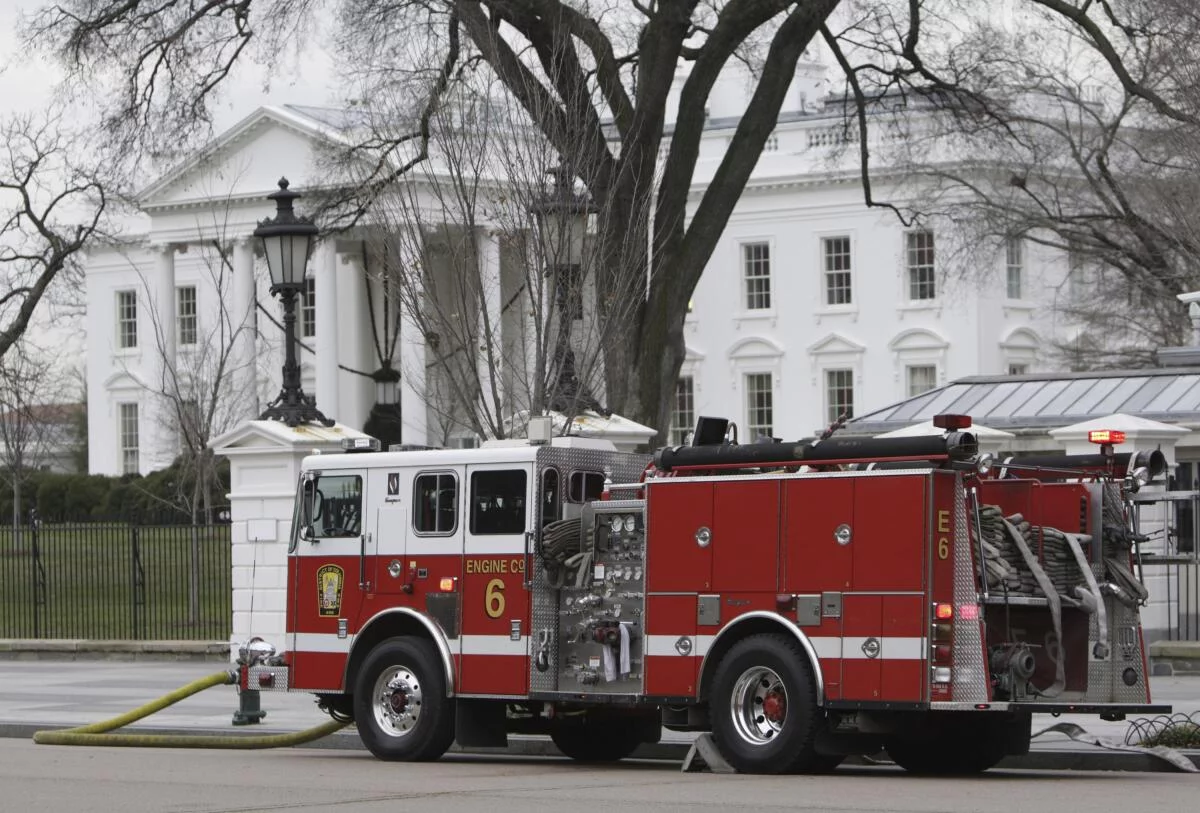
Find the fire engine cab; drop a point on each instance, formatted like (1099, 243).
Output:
(802, 601)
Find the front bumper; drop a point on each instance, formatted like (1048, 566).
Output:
(265, 678)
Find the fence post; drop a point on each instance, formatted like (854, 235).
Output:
(138, 582)
(39, 574)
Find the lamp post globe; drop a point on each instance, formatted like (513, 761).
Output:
(287, 240)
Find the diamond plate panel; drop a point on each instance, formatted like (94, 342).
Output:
(970, 678)
(1123, 621)
(546, 632)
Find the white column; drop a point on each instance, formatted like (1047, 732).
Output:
(491, 380)
(163, 382)
(357, 392)
(325, 271)
(243, 322)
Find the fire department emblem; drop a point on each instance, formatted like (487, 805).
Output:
(329, 589)
(871, 647)
(684, 645)
(393, 484)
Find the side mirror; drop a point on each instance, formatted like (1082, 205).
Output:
(309, 492)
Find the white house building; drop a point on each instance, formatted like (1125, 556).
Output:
(812, 304)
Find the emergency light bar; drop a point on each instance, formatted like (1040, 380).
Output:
(364, 444)
(1113, 436)
(952, 423)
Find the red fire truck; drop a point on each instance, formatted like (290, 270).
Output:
(802, 601)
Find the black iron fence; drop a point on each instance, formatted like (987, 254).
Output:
(115, 581)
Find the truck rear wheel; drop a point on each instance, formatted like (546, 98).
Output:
(400, 702)
(764, 708)
(598, 738)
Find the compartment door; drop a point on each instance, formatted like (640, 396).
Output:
(495, 604)
(818, 564)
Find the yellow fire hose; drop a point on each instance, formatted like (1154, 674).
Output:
(97, 733)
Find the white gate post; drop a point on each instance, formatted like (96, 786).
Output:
(264, 464)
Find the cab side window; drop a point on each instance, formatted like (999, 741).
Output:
(435, 503)
(337, 506)
(585, 486)
(498, 502)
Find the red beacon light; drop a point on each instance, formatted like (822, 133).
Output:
(1106, 436)
(952, 423)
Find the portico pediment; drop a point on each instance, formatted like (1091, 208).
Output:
(245, 161)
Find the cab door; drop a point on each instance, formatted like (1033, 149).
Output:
(326, 566)
(494, 645)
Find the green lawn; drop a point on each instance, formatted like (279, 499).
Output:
(90, 571)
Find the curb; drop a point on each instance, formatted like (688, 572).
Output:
(1036, 760)
(66, 649)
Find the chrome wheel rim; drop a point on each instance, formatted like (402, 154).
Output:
(758, 705)
(397, 701)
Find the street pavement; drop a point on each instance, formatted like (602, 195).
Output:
(43, 694)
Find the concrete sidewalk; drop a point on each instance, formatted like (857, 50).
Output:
(44, 694)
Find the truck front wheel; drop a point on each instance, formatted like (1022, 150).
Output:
(764, 709)
(400, 702)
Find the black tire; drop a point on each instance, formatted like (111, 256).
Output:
(764, 709)
(954, 750)
(825, 763)
(598, 738)
(400, 702)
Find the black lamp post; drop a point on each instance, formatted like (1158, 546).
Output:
(287, 241)
(386, 419)
(562, 220)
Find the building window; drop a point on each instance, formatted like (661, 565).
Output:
(1014, 263)
(772, 143)
(756, 269)
(759, 406)
(127, 319)
(919, 251)
(129, 438)
(836, 251)
(839, 394)
(308, 309)
(683, 416)
(921, 378)
(185, 312)
(1018, 369)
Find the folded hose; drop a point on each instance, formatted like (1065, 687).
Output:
(97, 733)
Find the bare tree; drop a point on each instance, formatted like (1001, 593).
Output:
(36, 426)
(596, 79)
(484, 249)
(1016, 132)
(52, 206)
(204, 386)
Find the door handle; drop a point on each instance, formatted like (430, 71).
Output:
(527, 580)
(363, 584)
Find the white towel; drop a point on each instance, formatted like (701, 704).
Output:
(610, 664)
(624, 648)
